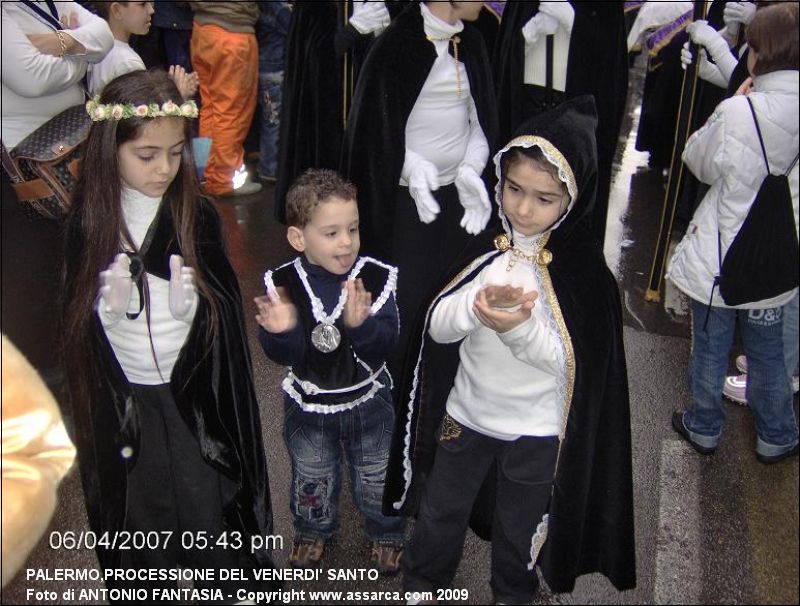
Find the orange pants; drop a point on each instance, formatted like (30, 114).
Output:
(227, 67)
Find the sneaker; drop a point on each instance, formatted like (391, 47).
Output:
(385, 557)
(795, 384)
(267, 178)
(678, 426)
(306, 552)
(735, 389)
(769, 460)
(247, 188)
(741, 364)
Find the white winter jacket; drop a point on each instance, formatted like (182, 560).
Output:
(726, 154)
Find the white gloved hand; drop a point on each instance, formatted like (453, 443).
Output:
(182, 289)
(703, 34)
(423, 179)
(474, 198)
(739, 12)
(562, 12)
(116, 287)
(539, 25)
(705, 69)
(370, 17)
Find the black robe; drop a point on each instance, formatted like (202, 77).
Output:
(212, 385)
(323, 59)
(591, 512)
(391, 79)
(597, 65)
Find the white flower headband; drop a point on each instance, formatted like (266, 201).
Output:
(118, 111)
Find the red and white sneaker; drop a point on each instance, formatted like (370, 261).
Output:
(735, 388)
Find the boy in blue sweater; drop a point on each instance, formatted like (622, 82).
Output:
(331, 317)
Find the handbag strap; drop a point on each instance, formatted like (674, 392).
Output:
(51, 19)
(10, 166)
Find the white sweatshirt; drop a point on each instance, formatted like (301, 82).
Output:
(443, 126)
(122, 59)
(507, 384)
(129, 338)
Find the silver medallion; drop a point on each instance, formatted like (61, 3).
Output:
(325, 337)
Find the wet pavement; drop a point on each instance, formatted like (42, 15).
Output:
(716, 530)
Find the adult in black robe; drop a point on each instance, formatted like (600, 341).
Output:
(590, 526)
(597, 65)
(212, 385)
(324, 54)
(373, 153)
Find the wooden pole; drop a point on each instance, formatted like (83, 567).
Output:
(685, 111)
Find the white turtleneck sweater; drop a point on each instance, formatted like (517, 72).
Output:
(443, 126)
(507, 383)
(129, 338)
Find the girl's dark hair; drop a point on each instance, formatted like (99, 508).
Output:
(104, 8)
(95, 225)
(535, 155)
(773, 35)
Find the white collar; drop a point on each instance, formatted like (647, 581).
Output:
(136, 204)
(437, 28)
(527, 244)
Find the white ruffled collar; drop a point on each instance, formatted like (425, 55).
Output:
(437, 28)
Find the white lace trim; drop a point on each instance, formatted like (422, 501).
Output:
(538, 539)
(407, 473)
(326, 409)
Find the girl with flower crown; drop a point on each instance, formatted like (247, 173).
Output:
(167, 426)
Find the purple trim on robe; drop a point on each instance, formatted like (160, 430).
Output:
(632, 5)
(663, 35)
(497, 7)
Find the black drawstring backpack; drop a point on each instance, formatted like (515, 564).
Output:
(762, 261)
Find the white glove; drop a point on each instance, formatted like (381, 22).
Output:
(562, 12)
(474, 198)
(370, 17)
(706, 70)
(539, 25)
(423, 179)
(182, 289)
(116, 287)
(703, 34)
(739, 12)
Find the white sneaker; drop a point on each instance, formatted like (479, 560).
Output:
(735, 389)
(741, 364)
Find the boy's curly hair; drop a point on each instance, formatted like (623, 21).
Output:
(311, 188)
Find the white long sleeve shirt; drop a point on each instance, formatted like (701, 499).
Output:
(443, 126)
(507, 384)
(129, 338)
(36, 87)
(122, 59)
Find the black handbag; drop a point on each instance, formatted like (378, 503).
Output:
(762, 261)
(43, 167)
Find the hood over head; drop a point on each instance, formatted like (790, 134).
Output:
(566, 136)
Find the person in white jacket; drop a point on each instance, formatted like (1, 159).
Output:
(726, 154)
(47, 48)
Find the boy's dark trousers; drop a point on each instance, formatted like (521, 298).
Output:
(524, 479)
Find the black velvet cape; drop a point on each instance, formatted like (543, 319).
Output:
(212, 385)
(591, 527)
(323, 59)
(391, 79)
(597, 65)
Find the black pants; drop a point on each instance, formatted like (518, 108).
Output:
(172, 488)
(524, 479)
(423, 253)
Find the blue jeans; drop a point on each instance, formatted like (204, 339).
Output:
(769, 394)
(315, 444)
(791, 351)
(270, 94)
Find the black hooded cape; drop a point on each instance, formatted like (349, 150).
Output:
(591, 513)
(212, 385)
(597, 65)
(390, 81)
